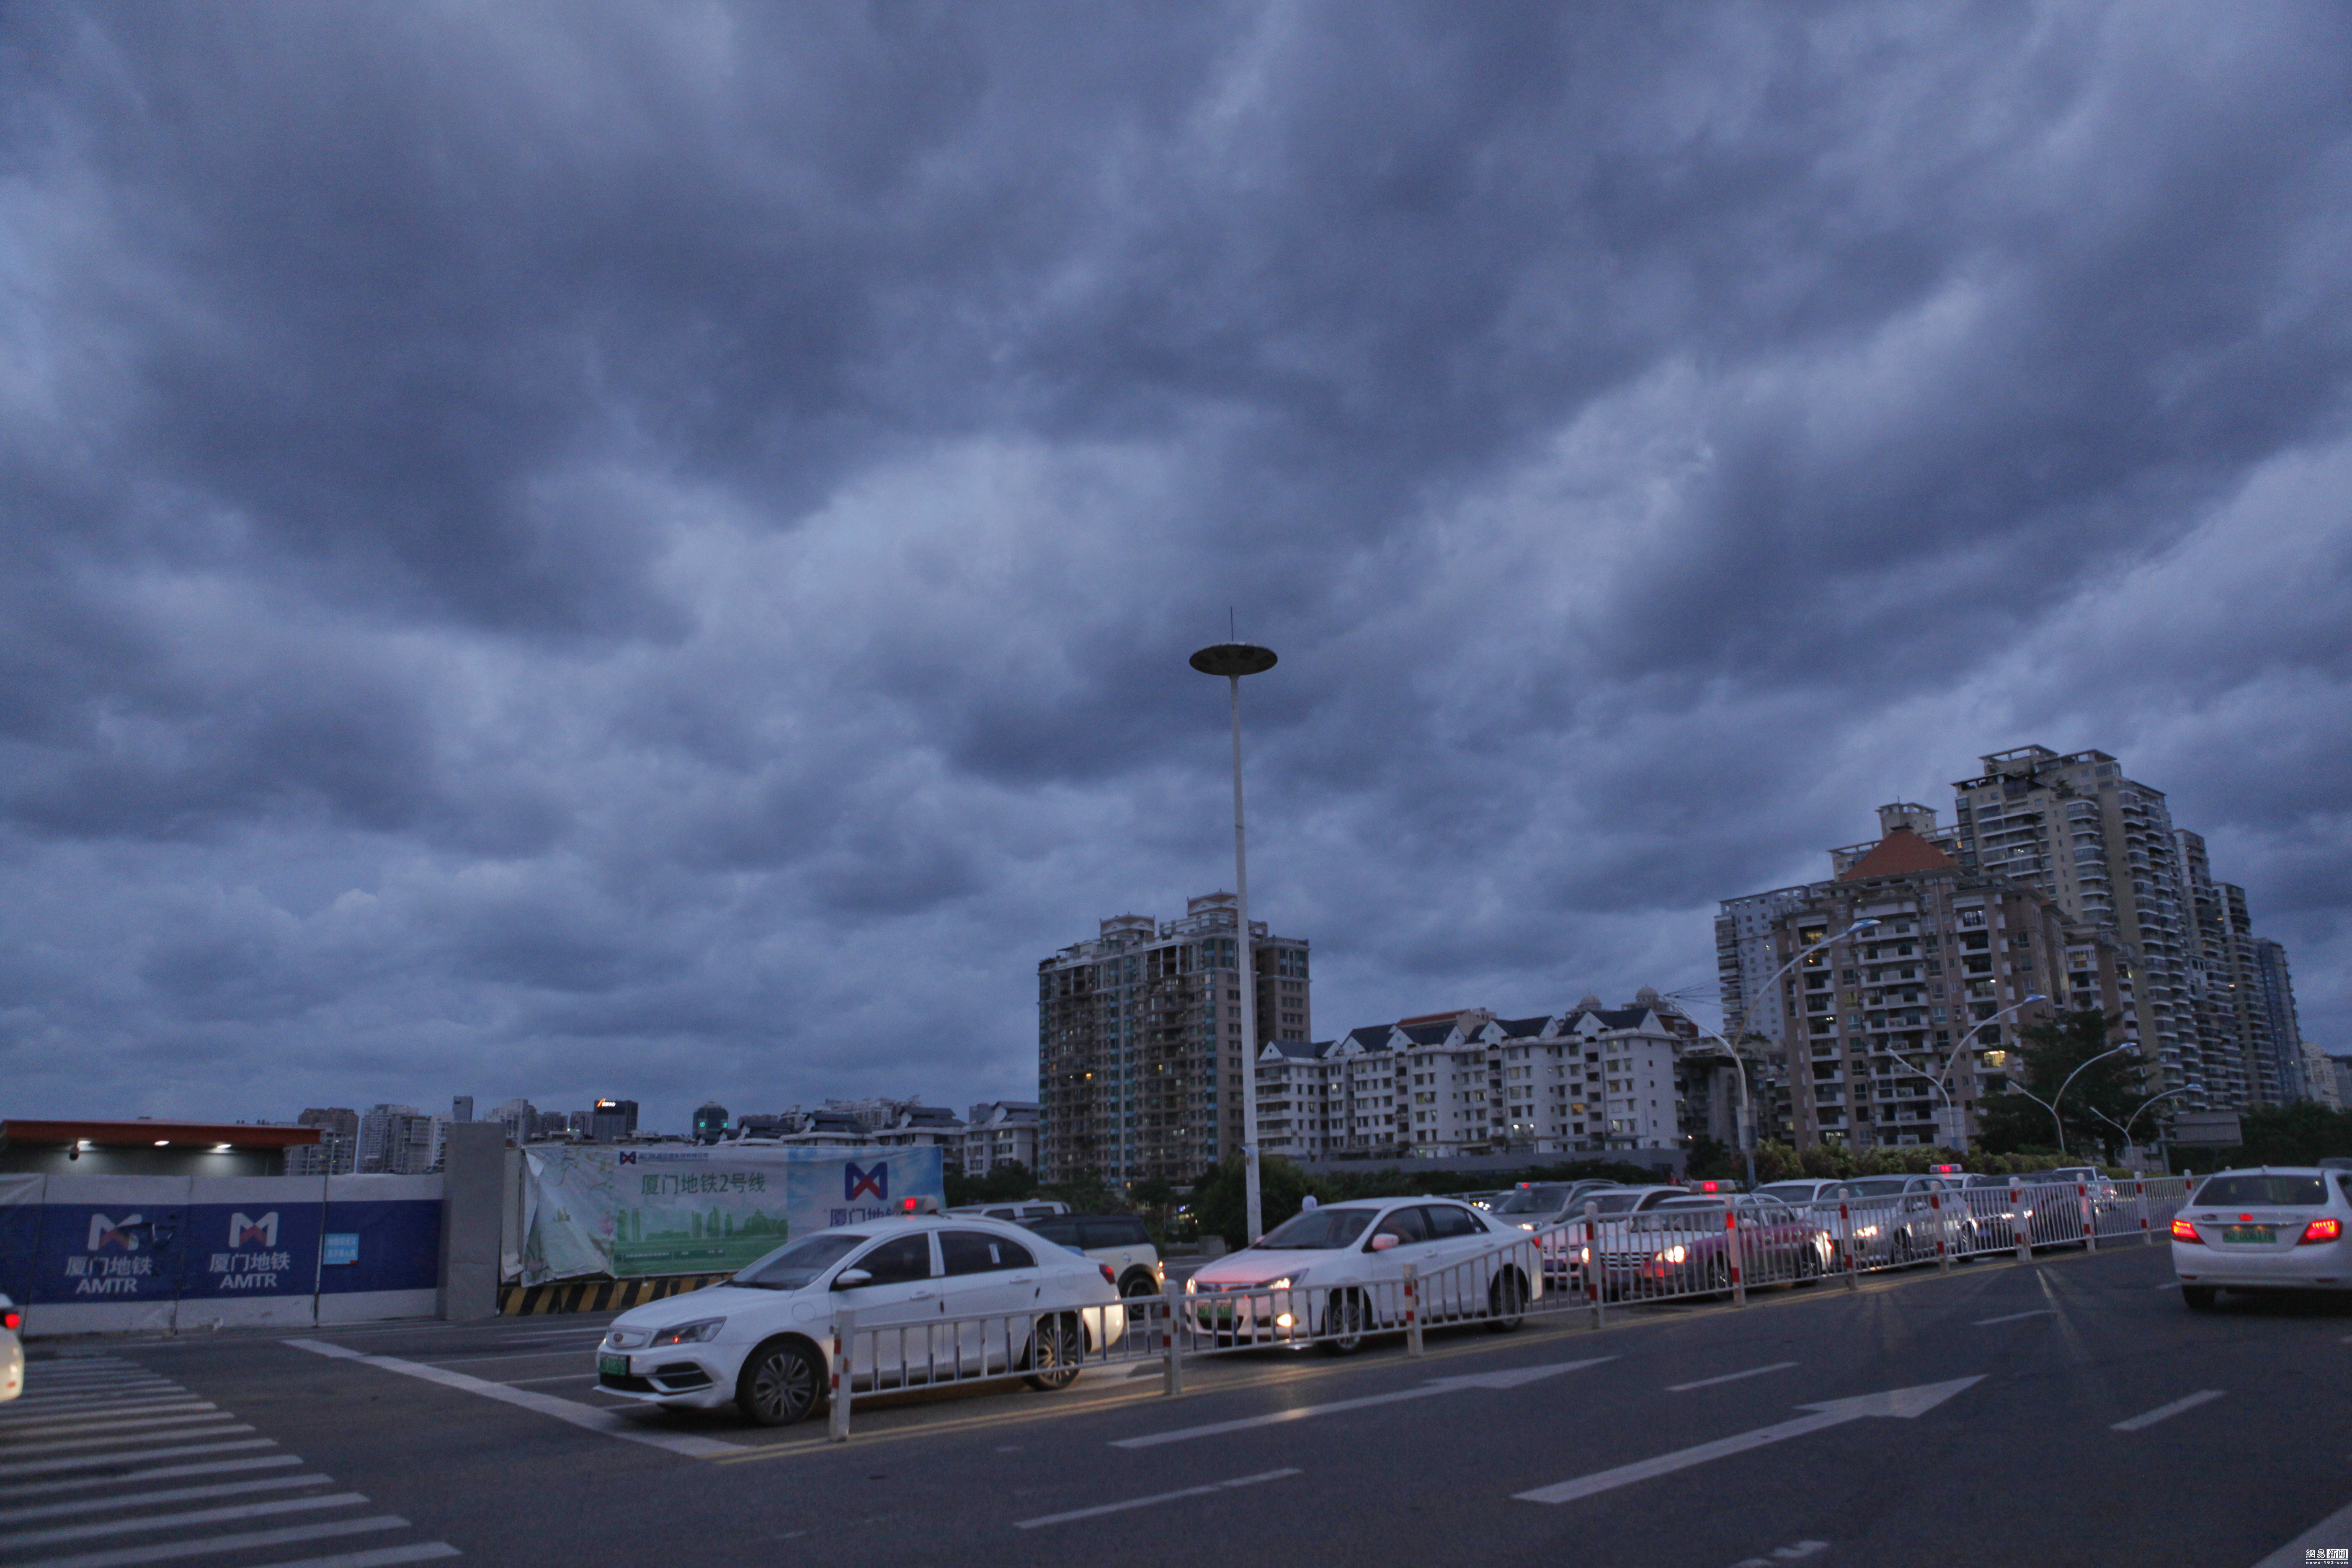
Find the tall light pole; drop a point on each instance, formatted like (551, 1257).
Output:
(2126, 1126)
(1955, 1129)
(2051, 1104)
(1233, 660)
(1747, 1110)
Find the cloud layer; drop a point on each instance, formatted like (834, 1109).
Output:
(572, 550)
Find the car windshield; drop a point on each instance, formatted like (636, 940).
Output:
(1614, 1203)
(792, 1267)
(1317, 1230)
(1989, 1180)
(1533, 1200)
(1878, 1186)
(1793, 1192)
(2283, 1192)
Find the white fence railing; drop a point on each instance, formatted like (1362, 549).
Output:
(1586, 1265)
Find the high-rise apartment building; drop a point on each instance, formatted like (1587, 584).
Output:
(1886, 1040)
(398, 1140)
(337, 1152)
(1139, 1040)
(2104, 847)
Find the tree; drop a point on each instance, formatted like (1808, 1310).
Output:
(2099, 1102)
(1711, 1157)
(1221, 1201)
(2303, 1133)
(1006, 1184)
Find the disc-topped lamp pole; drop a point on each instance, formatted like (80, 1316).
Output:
(1233, 660)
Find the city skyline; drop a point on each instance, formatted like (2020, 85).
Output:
(609, 558)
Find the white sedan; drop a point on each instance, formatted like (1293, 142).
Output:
(2276, 1228)
(1331, 1275)
(936, 1297)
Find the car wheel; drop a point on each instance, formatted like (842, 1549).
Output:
(1902, 1251)
(1808, 1264)
(1057, 1347)
(782, 1382)
(1718, 1276)
(2199, 1298)
(1506, 1302)
(1345, 1323)
(1139, 1286)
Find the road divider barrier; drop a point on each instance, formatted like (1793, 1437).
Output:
(1586, 1265)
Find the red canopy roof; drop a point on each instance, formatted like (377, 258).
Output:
(1898, 854)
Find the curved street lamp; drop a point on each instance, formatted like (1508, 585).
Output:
(2051, 1104)
(2126, 1126)
(1233, 660)
(1955, 1126)
(1747, 1108)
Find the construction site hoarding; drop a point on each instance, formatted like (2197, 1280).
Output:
(629, 1213)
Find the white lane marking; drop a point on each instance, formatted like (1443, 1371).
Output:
(1210, 1491)
(30, 1420)
(205, 1546)
(2014, 1317)
(167, 1473)
(2168, 1285)
(1512, 1378)
(558, 1377)
(2165, 1412)
(104, 1396)
(385, 1556)
(2332, 1531)
(608, 1422)
(84, 1462)
(173, 1520)
(35, 1383)
(147, 1434)
(1797, 1554)
(1908, 1403)
(148, 1500)
(1729, 1377)
(174, 1414)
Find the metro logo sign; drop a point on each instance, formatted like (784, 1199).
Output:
(874, 1180)
(105, 1233)
(262, 1232)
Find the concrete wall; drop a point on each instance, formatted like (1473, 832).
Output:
(473, 1194)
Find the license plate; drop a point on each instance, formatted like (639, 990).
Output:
(2260, 1235)
(617, 1365)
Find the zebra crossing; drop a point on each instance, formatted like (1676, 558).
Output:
(104, 1464)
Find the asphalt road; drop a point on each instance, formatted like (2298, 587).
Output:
(2068, 1412)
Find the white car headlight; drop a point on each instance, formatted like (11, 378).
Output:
(1285, 1282)
(1673, 1254)
(692, 1334)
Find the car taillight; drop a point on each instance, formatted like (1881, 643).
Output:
(1108, 1278)
(2322, 1230)
(2183, 1231)
(12, 1320)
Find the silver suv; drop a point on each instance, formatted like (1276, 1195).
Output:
(1119, 1241)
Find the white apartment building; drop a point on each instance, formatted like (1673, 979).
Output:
(999, 1132)
(1586, 1078)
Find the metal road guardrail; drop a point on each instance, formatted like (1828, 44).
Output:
(1583, 1265)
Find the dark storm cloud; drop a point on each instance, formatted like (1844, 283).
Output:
(579, 549)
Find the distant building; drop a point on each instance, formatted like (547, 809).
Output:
(612, 1120)
(461, 1109)
(337, 1152)
(926, 1127)
(1585, 1078)
(1139, 1040)
(398, 1140)
(520, 1118)
(999, 1132)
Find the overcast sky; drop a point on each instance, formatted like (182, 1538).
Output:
(559, 550)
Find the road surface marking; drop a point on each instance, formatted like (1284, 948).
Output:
(206, 1546)
(43, 1420)
(382, 1557)
(2165, 1412)
(169, 1472)
(1729, 1377)
(60, 1424)
(1209, 1490)
(95, 1400)
(2013, 1317)
(84, 1462)
(57, 1445)
(1908, 1403)
(24, 1538)
(1513, 1378)
(606, 1421)
(2332, 1531)
(144, 1499)
(1797, 1554)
